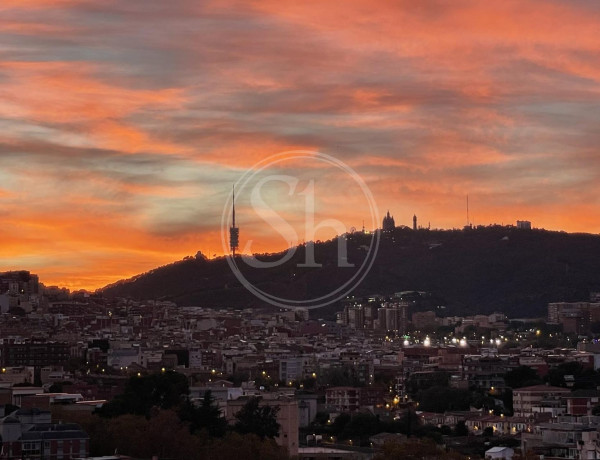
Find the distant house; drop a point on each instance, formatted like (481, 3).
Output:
(499, 452)
(29, 433)
(343, 399)
(565, 437)
(539, 398)
(582, 402)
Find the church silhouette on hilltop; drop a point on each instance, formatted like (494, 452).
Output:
(389, 224)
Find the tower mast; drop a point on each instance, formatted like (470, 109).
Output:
(468, 223)
(234, 232)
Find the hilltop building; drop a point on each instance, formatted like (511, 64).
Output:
(524, 224)
(388, 224)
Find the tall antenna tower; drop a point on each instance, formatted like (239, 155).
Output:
(468, 222)
(234, 232)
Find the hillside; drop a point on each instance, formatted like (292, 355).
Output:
(477, 271)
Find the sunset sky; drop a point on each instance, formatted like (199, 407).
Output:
(125, 123)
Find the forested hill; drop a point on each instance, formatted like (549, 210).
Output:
(474, 271)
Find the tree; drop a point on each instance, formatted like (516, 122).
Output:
(441, 399)
(163, 390)
(257, 419)
(485, 401)
(264, 381)
(339, 424)
(309, 383)
(162, 435)
(446, 430)
(522, 376)
(238, 377)
(584, 377)
(361, 426)
(461, 429)
(56, 387)
(507, 401)
(415, 384)
(59, 387)
(205, 417)
(321, 418)
(408, 423)
(340, 377)
(431, 432)
(17, 311)
(556, 375)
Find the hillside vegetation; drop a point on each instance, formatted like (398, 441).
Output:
(475, 271)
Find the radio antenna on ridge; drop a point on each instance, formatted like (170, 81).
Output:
(468, 223)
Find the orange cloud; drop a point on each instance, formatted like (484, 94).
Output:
(67, 94)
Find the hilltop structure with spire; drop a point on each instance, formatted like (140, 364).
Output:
(234, 232)
(388, 224)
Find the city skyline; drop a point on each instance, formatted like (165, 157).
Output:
(126, 123)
